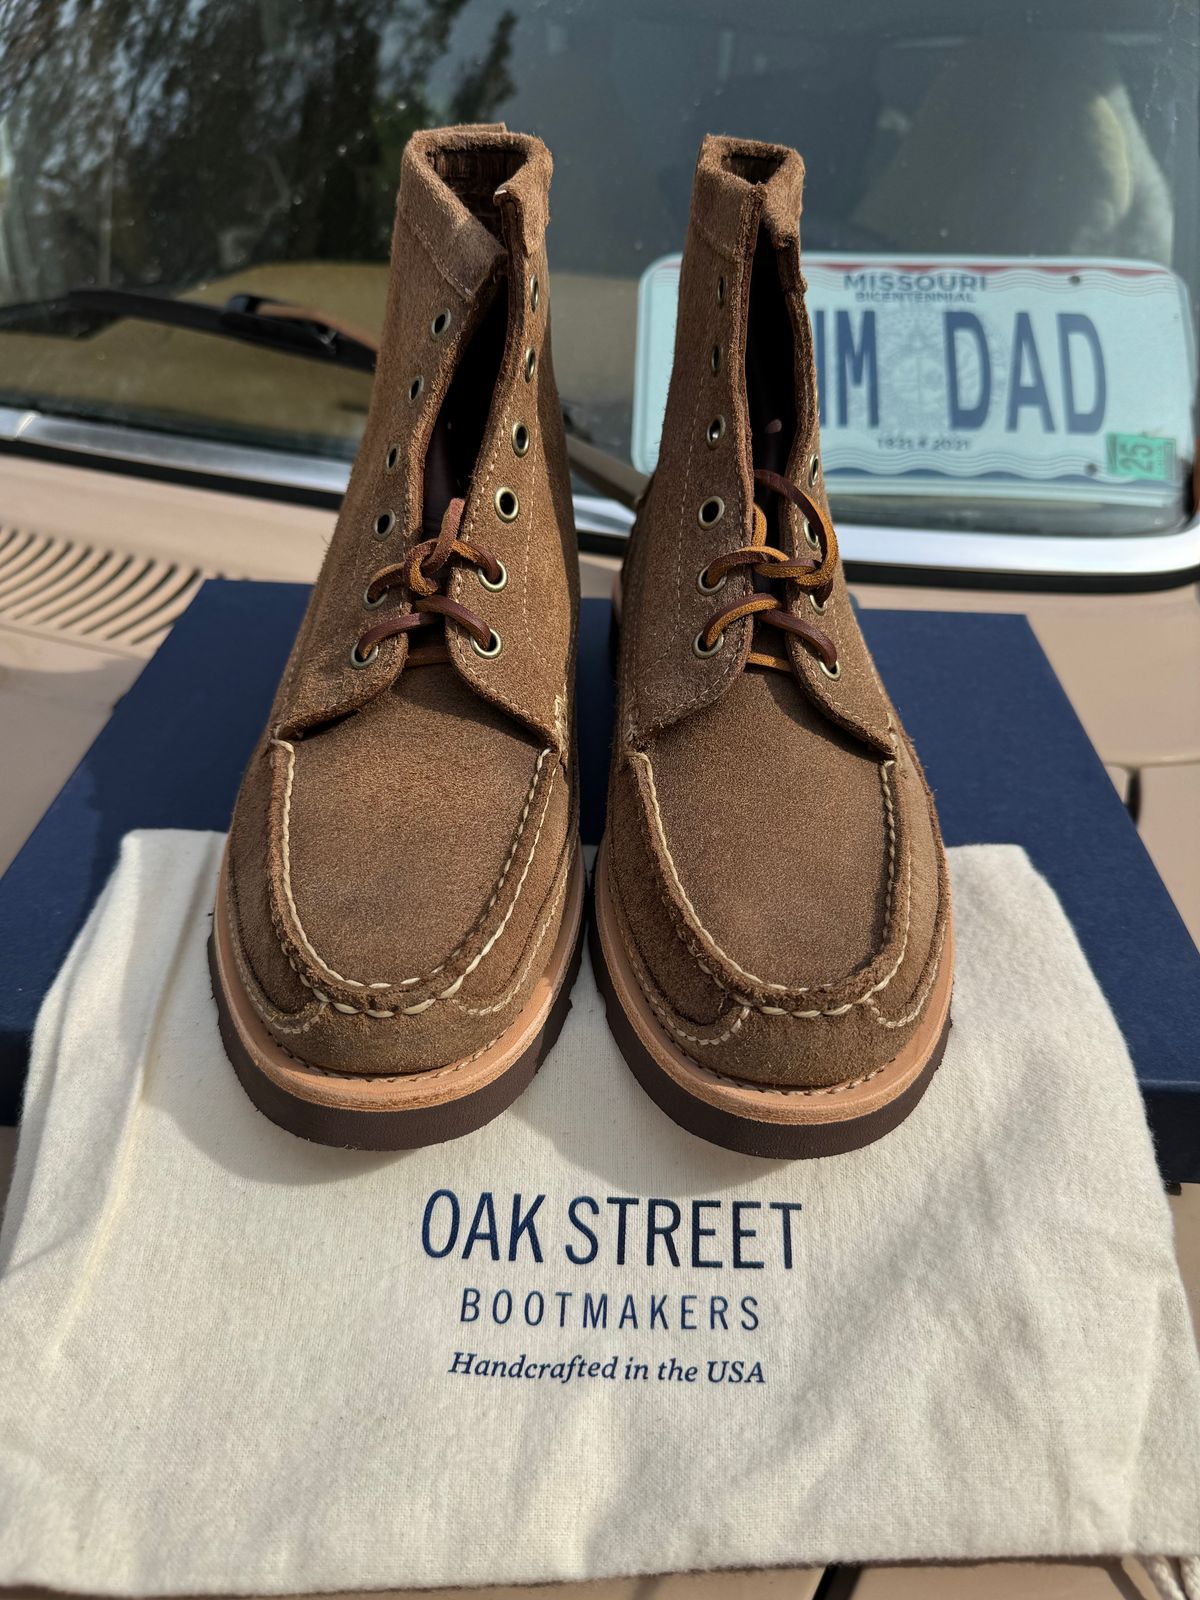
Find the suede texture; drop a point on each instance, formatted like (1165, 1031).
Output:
(403, 840)
(774, 855)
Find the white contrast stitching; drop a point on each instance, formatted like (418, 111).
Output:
(405, 983)
(889, 812)
(764, 983)
(435, 260)
(922, 995)
(659, 1010)
(418, 1075)
(718, 246)
(503, 431)
(692, 695)
(421, 1074)
(420, 1006)
(278, 1021)
(506, 998)
(664, 1016)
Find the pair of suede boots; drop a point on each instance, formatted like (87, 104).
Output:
(400, 908)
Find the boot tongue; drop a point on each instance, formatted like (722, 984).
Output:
(768, 526)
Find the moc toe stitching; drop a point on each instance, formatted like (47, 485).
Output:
(544, 924)
(665, 1012)
(868, 979)
(279, 1021)
(740, 1011)
(747, 1036)
(345, 995)
(337, 1036)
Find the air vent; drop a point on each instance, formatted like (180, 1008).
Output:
(116, 600)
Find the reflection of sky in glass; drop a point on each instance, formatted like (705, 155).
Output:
(203, 137)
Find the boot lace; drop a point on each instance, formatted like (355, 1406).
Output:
(424, 573)
(814, 577)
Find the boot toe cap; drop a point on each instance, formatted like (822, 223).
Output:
(378, 932)
(830, 982)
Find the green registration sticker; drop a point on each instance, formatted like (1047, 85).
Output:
(1140, 455)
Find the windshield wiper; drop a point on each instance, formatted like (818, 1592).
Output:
(278, 325)
(251, 318)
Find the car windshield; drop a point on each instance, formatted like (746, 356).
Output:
(1000, 222)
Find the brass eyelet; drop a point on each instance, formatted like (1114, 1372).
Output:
(710, 588)
(390, 460)
(491, 649)
(716, 432)
(699, 648)
(814, 470)
(506, 503)
(384, 523)
(520, 439)
(415, 387)
(714, 360)
(813, 539)
(530, 363)
(834, 672)
(500, 582)
(440, 323)
(711, 511)
(362, 661)
(535, 292)
(378, 600)
(819, 606)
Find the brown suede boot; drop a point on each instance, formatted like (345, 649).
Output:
(772, 903)
(398, 913)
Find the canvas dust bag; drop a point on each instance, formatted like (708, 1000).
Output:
(580, 1343)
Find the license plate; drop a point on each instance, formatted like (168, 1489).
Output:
(1007, 378)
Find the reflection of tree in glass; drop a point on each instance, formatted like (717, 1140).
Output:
(164, 141)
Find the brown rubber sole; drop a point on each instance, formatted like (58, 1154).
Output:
(790, 1124)
(413, 1108)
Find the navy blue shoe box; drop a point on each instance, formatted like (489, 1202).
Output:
(1003, 749)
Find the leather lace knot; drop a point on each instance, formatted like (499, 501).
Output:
(424, 574)
(765, 561)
